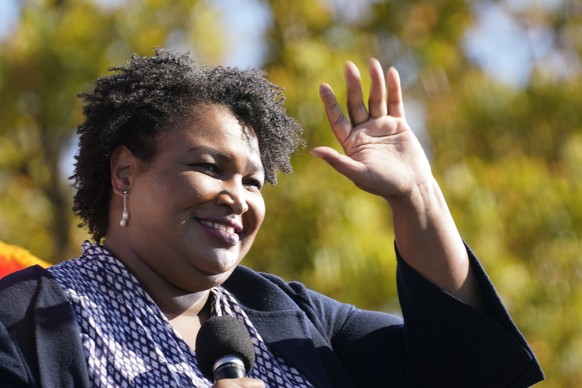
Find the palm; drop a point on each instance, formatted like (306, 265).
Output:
(382, 154)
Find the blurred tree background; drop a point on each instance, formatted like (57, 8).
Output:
(492, 88)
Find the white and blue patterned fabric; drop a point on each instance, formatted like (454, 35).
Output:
(127, 339)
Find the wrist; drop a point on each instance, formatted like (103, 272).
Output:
(423, 202)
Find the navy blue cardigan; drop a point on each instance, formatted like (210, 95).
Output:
(441, 342)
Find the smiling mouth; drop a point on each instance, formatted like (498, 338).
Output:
(221, 227)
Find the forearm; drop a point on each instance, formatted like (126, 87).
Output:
(428, 239)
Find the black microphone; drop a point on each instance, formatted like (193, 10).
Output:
(224, 348)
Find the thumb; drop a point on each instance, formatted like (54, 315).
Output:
(341, 163)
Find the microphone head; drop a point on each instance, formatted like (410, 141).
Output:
(220, 337)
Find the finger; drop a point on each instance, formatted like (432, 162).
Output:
(377, 99)
(355, 101)
(341, 163)
(395, 103)
(244, 382)
(340, 125)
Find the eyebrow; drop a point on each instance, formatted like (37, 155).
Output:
(210, 151)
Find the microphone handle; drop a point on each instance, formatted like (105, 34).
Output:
(229, 367)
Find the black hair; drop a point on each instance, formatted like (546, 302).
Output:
(146, 97)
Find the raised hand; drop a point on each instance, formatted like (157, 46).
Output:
(382, 154)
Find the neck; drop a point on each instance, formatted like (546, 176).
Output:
(190, 305)
(173, 301)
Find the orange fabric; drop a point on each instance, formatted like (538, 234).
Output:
(13, 258)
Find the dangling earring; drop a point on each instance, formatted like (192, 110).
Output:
(125, 213)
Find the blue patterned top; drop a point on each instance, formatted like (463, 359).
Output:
(127, 339)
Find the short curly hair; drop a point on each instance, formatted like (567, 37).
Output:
(144, 98)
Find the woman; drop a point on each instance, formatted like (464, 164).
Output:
(171, 162)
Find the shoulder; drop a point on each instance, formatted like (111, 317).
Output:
(25, 276)
(260, 290)
(24, 283)
(263, 291)
(38, 332)
(32, 286)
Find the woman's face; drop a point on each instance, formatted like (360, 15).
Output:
(196, 208)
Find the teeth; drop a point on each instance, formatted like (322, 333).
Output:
(216, 225)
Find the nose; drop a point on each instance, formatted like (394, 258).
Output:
(233, 195)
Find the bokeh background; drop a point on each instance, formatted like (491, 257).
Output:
(492, 88)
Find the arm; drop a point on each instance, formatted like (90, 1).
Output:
(444, 339)
(39, 337)
(12, 371)
(383, 156)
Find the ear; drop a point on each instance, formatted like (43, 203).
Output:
(122, 165)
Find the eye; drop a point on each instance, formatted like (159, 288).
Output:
(207, 168)
(253, 183)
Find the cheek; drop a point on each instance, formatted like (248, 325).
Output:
(163, 197)
(190, 188)
(257, 206)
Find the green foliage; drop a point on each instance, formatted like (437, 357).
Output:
(509, 160)
(57, 51)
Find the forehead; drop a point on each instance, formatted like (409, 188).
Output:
(207, 118)
(213, 126)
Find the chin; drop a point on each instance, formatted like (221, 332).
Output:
(222, 266)
(218, 279)
(223, 261)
